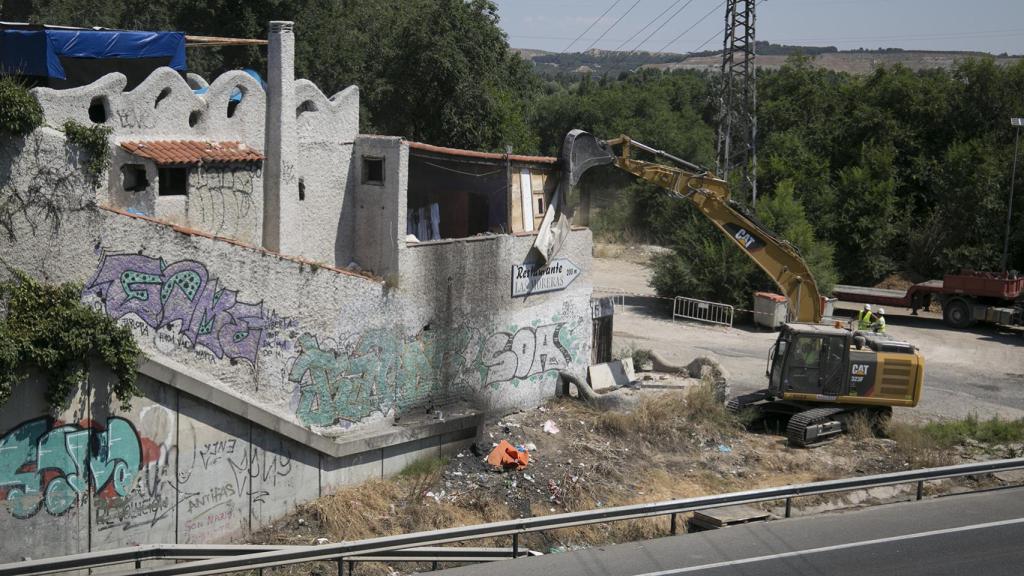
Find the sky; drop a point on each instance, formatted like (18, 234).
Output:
(994, 26)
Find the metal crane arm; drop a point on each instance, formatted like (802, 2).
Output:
(686, 181)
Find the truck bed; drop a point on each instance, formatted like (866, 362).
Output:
(883, 296)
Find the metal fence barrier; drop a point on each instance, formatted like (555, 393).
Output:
(342, 552)
(702, 311)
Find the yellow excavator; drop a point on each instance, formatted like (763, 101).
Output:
(819, 377)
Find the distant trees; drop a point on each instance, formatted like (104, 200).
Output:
(896, 170)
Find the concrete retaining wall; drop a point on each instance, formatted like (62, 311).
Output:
(173, 468)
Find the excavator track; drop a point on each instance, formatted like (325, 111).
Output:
(814, 427)
(737, 404)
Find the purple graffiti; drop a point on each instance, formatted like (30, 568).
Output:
(181, 294)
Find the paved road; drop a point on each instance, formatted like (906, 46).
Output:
(969, 534)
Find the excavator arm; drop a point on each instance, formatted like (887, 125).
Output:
(710, 195)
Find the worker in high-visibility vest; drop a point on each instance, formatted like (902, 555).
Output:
(879, 324)
(865, 318)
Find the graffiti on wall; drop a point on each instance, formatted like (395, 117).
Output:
(184, 297)
(383, 370)
(45, 464)
(221, 198)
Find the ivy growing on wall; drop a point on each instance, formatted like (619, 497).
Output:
(20, 113)
(46, 326)
(94, 140)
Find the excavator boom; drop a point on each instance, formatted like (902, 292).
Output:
(710, 195)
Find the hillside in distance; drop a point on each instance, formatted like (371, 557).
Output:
(769, 56)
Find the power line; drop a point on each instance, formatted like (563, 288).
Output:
(592, 24)
(614, 24)
(637, 47)
(648, 25)
(694, 25)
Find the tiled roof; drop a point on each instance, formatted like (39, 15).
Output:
(192, 152)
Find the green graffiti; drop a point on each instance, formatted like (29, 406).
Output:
(54, 467)
(386, 371)
(130, 279)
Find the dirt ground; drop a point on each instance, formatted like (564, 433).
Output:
(659, 442)
(979, 370)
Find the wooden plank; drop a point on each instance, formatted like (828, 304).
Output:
(727, 516)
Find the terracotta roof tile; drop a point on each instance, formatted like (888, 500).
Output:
(192, 152)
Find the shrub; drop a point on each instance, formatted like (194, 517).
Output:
(94, 141)
(20, 113)
(48, 327)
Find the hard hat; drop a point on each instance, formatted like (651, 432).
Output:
(867, 307)
(881, 311)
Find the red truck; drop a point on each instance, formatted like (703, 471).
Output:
(966, 298)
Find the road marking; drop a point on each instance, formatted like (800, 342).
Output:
(831, 548)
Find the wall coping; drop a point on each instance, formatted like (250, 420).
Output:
(176, 376)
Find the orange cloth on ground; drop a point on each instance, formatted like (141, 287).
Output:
(505, 455)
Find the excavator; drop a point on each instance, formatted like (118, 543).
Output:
(820, 377)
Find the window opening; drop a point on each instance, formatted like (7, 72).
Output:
(98, 110)
(173, 181)
(373, 170)
(133, 178)
(302, 190)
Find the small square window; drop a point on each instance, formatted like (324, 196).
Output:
(373, 170)
(133, 178)
(173, 181)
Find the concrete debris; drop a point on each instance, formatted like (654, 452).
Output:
(707, 368)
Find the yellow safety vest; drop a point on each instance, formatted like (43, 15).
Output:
(864, 320)
(881, 324)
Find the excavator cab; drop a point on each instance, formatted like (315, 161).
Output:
(809, 359)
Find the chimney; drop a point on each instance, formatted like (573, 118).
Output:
(280, 216)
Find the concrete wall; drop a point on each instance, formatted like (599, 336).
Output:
(228, 200)
(380, 207)
(173, 468)
(315, 345)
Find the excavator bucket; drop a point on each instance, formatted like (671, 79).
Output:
(580, 152)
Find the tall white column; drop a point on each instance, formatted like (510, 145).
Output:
(280, 225)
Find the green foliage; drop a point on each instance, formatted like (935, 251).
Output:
(20, 113)
(94, 140)
(785, 215)
(992, 431)
(47, 327)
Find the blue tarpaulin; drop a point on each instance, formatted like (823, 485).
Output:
(37, 52)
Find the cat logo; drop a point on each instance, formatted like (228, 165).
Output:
(745, 238)
(860, 369)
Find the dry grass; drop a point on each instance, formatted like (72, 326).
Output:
(916, 448)
(860, 427)
(682, 421)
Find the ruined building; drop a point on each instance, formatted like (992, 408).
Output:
(316, 307)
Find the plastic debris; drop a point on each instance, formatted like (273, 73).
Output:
(550, 427)
(505, 456)
(530, 447)
(723, 448)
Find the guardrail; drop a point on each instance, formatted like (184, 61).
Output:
(377, 547)
(702, 311)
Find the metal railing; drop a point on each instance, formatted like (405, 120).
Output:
(377, 547)
(702, 311)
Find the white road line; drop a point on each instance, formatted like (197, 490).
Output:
(831, 548)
